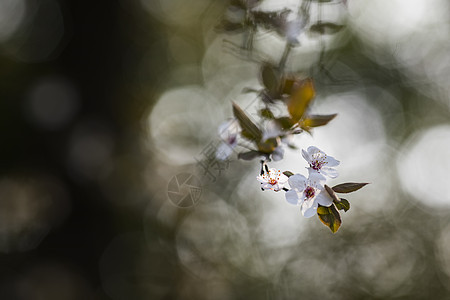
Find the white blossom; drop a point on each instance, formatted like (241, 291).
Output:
(307, 193)
(228, 132)
(320, 163)
(272, 180)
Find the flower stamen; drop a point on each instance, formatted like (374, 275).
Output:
(272, 179)
(318, 161)
(309, 192)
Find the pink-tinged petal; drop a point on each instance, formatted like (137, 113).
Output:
(331, 161)
(330, 172)
(309, 208)
(292, 197)
(297, 181)
(306, 156)
(324, 199)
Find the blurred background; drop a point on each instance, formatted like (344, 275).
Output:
(108, 114)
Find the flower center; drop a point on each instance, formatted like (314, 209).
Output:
(231, 139)
(272, 177)
(309, 192)
(317, 163)
(272, 181)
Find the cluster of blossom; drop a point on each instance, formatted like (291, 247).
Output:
(294, 92)
(309, 192)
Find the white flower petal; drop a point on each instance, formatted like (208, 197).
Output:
(330, 172)
(273, 170)
(313, 150)
(229, 126)
(310, 212)
(224, 151)
(292, 197)
(324, 199)
(297, 181)
(278, 187)
(306, 156)
(331, 161)
(266, 186)
(309, 208)
(228, 132)
(261, 179)
(293, 29)
(308, 203)
(316, 177)
(278, 153)
(289, 140)
(283, 179)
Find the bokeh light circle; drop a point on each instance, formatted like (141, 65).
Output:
(52, 102)
(181, 123)
(12, 13)
(423, 166)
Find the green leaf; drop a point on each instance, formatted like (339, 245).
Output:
(343, 205)
(266, 113)
(288, 173)
(249, 130)
(348, 187)
(323, 210)
(288, 83)
(300, 98)
(284, 122)
(317, 120)
(340, 203)
(270, 77)
(325, 28)
(247, 135)
(249, 155)
(330, 217)
(238, 4)
(267, 146)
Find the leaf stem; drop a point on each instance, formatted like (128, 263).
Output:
(284, 57)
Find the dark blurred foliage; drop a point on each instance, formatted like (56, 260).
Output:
(103, 103)
(64, 116)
